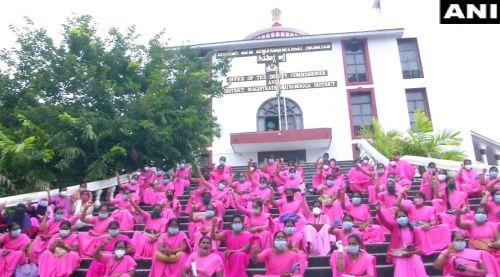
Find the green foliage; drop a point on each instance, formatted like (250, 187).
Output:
(420, 140)
(83, 108)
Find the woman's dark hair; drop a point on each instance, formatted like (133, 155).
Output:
(58, 208)
(279, 232)
(289, 220)
(104, 206)
(11, 225)
(456, 233)
(19, 214)
(348, 216)
(421, 194)
(114, 223)
(317, 201)
(41, 210)
(173, 219)
(357, 238)
(65, 223)
(205, 237)
(124, 243)
(237, 216)
(258, 202)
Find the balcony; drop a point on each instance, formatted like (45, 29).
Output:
(281, 140)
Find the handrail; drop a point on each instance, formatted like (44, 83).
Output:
(97, 186)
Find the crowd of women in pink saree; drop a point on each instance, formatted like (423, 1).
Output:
(51, 237)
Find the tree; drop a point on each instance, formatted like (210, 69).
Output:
(420, 140)
(81, 109)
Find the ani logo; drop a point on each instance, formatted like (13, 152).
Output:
(469, 12)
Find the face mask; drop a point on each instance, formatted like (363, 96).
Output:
(262, 185)
(289, 198)
(365, 161)
(391, 180)
(146, 168)
(325, 167)
(441, 177)
(127, 196)
(391, 188)
(155, 213)
(222, 186)
(356, 200)
(419, 201)
(380, 171)
(43, 203)
(85, 198)
(170, 197)
(393, 163)
(63, 193)
(480, 217)
(316, 211)
(209, 213)
(256, 211)
(252, 168)
(222, 162)
(329, 183)
(271, 161)
(289, 230)
(242, 179)
(431, 169)
(206, 200)
(452, 186)
(497, 198)
(119, 253)
(113, 232)
(347, 225)
(353, 249)
(183, 166)
(58, 217)
(292, 175)
(173, 230)
(493, 174)
(280, 244)
(459, 245)
(237, 226)
(166, 181)
(64, 233)
(103, 215)
(15, 233)
(402, 221)
(468, 167)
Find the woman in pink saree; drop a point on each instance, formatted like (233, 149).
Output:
(242, 188)
(467, 179)
(146, 242)
(433, 236)
(172, 253)
(450, 202)
(236, 258)
(119, 263)
(262, 192)
(124, 210)
(493, 181)
(358, 180)
(48, 228)
(353, 262)
(279, 260)
(459, 261)
(257, 222)
(204, 262)
(88, 241)
(98, 268)
(59, 260)
(317, 230)
(297, 243)
(65, 235)
(425, 185)
(492, 204)
(171, 203)
(13, 246)
(204, 222)
(379, 177)
(371, 233)
(408, 169)
(346, 229)
(404, 246)
(291, 205)
(182, 175)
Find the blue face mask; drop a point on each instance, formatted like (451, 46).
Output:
(356, 200)
(222, 186)
(113, 232)
(292, 175)
(237, 226)
(480, 217)
(459, 245)
(271, 161)
(290, 230)
(173, 230)
(63, 233)
(497, 198)
(493, 174)
(329, 183)
(280, 244)
(58, 217)
(209, 213)
(353, 249)
(242, 179)
(103, 215)
(15, 233)
(43, 203)
(402, 221)
(347, 225)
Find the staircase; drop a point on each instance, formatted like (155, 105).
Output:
(318, 266)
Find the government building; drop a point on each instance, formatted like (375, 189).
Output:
(299, 95)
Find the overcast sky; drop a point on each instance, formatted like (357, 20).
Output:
(461, 61)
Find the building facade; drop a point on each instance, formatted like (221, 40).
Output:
(299, 95)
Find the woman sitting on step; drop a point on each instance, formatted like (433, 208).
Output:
(88, 241)
(352, 260)
(59, 260)
(13, 245)
(118, 263)
(124, 211)
(316, 232)
(404, 248)
(204, 262)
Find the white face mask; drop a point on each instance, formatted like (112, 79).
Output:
(468, 167)
(316, 210)
(119, 253)
(252, 168)
(441, 177)
(325, 167)
(63, 193)
(393, 163)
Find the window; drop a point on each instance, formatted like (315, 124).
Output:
(362, 110)
(356, 62)
(410, 58)
(268, 119)
(417, 100)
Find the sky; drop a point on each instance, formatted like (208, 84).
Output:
(460, 61)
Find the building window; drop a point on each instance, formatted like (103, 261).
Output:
(356, 63)
(410, 58)
(417, 100)
(362, 110)
(267, 115)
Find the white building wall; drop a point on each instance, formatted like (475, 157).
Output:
(321, 107)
